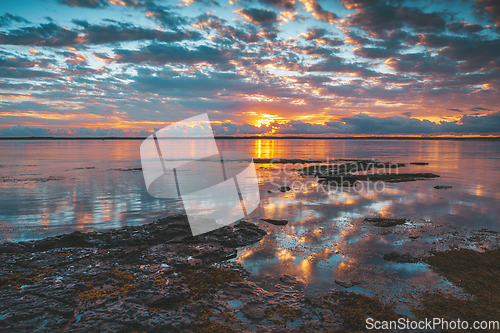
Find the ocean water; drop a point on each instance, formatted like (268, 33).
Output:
(50, 187)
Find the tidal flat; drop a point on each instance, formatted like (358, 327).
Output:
(159, 278)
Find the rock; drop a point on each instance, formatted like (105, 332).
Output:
(385, 222)
(347, 284)
(397, 257)
(385, 177)
(173, 229)
(276, 222)
(288, 279)
(442, 187)
(284, 189)
(419, 163)
(253, 310)
(133, 278)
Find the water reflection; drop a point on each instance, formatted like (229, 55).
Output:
(328, 240)
(54, 187)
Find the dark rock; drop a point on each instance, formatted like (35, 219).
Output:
(397, 257)
(442, 187)
(284, 189)
(133, 278)
(174, 229)
(386, 177)
(385, 222)
(338, 167)
(347, 284)
(276, 222)
(253, 310)
(125, 169)
(288, 279)
(419, 163)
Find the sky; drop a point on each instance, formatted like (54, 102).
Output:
(257, 67)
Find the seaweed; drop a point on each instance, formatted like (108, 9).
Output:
(200, 282)
(477, 273)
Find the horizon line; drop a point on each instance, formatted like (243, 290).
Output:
(267, 138)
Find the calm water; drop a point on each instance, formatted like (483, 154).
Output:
(54, 187)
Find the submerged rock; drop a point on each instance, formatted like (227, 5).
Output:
(442, 187)
(288, 279)
(385, 222)
(386, 177)
(347, 284)
(333, 168)
(397, 257)
(276, 222)
(173, 230)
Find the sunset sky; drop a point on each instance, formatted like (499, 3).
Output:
(271, 67)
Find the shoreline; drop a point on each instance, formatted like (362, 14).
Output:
(478, 138)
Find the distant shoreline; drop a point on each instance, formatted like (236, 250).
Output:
(265, 138)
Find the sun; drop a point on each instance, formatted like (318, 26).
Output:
(266, 119)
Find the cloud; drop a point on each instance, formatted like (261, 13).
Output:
(30, 131)
(161, 54)
(479, 109)
(490, 8)
(488, 124)
(49, 34)
(85, 3)
(472, 52)
(317, 36)
(239, 129)
(164, 16)
(379, 18)
(24, 73)
(103, 34)
(52, 35)
(289, 5)
(133, 61)
(464, 27)
(360, 124)
(7, 19)
(12, 60)
(312, 6)
(295, 127)
(422, 63)
(336, 64)
(374, 52)
(314, 33)
(363, 124)
(23, 131)
(259, 16)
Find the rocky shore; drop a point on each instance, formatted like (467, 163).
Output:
(159, 278)
(150, 278)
